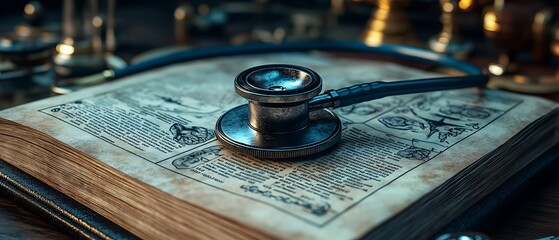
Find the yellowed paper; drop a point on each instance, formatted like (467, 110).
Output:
(158, 127)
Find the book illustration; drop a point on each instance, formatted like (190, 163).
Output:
(465, 111)
(162, 98)
(190, 135)
(443, 129)
(171, 104)
(175, 105)
(76, 105)
(345, 123)
(365, 111)
(122, 119)
(198, 157)
(319, 209)
(415, 153)
(440, 118)
(402, 123)
(480, 99)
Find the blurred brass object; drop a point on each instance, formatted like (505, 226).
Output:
(183, 14)
(74, 59)
(110, 34)
(536, 84)
(80, 51)
(84, 50)
(29, 44)
(26, 58)
(33, 12)
(68, 85)
(389, 24)
(542, 33)
(306, 25)
(448, 40)
(513, 27)
(509, 27)
(26, 52)
(337, 9)
(554, 45)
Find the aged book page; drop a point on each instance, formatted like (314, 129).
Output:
(158, 128)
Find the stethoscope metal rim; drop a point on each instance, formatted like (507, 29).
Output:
(276, 122)
(246, 89)
(308, 141)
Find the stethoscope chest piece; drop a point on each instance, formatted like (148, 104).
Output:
(276, 123)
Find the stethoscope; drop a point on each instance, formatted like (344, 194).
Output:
(286, 116)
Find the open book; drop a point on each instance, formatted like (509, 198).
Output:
(142, 152)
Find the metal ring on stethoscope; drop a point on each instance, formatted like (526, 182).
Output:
(276, 122)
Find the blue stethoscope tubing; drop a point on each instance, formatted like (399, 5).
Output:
(392, 50)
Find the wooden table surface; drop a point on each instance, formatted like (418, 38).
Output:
(536, 217)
